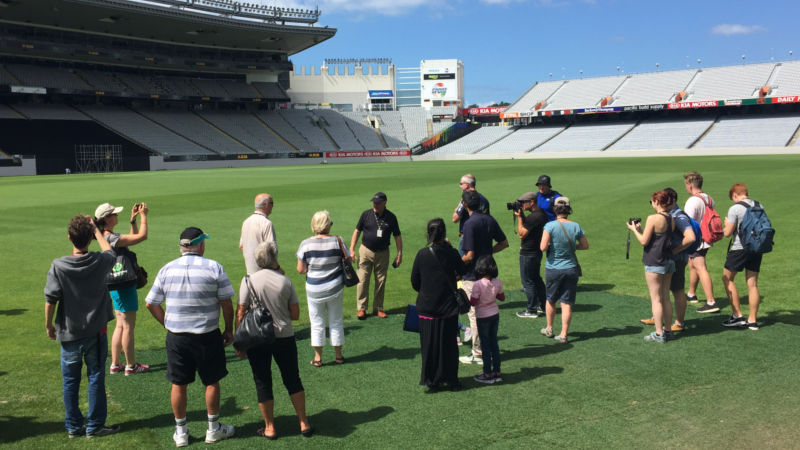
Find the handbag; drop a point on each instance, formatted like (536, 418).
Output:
(124, 272)
(141, 277)
(257, 326)
(459, 295)
(572, 247)
(411, 322)
(350, 275)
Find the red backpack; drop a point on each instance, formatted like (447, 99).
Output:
(711, 224)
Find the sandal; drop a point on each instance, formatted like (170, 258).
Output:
(316, 363)
(547, 332)
(261, 432)
(340, 360)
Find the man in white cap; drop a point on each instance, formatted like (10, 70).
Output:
(194, 288)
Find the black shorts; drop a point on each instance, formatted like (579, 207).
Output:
(189, 353)
(699, 253)
(678, 282)
(740, 259)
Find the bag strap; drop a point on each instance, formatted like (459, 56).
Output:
(706, 203)
(571, 244)
(257, 303)
(341, 247)
(441, 267)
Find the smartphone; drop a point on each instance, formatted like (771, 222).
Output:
(394, 264)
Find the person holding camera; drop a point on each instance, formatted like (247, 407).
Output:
(124, 296)
(659, 265)
(529, 230)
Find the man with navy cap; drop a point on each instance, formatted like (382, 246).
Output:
(195, 289)
(546, 197)
(377, 224)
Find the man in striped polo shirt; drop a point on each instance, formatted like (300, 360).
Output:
(195, 288)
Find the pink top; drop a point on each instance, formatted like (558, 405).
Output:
(484, 293)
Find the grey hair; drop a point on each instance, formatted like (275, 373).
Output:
(321, 222)
(263, 202)
(469, 179)
(266, 254)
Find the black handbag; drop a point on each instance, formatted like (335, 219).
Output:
(257, 326)
(350, 275)
(459, 295)
(125, 272)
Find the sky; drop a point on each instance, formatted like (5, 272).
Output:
(508, 45)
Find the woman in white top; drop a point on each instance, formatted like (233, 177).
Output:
(320, 258)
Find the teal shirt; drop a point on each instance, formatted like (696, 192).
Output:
(559, 253)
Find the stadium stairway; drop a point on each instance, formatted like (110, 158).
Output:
(708, 130)
(381, 138)
(794, 137)
(18, 112)
(550, 138)
(224, 133)
(622, 135)
(278, 136)
(690, 85)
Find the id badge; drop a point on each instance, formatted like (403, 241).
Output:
(380, 233)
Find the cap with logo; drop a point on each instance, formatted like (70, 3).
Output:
(192, 236)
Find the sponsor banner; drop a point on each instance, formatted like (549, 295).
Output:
(491, 110)
(439, 76)
(381, 94)
(601, 109)
(509, 115)
(692, 105)
(789, 99)
(29, 90)
(644, 107)
(367, 154)
(736, 102)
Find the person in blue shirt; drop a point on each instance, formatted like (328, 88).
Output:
(546, 197)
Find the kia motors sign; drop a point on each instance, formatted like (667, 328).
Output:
(488, 111)
(692, 105)
(368, 154)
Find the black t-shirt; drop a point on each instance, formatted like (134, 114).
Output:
(479, 233)
(534, 223)
(369, 224)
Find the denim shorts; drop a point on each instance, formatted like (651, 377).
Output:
(668, 268)
(125, 300)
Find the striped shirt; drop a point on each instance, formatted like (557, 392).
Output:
(323, 256)
(192, 286)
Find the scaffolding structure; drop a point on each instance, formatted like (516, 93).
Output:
(95, 158)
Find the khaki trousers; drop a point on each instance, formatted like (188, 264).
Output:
(473, 321)
(369, 261)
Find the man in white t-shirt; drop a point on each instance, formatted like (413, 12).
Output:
(256, 229)
(698, 272)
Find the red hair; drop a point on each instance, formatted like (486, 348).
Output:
(661, 198)
(738, 189)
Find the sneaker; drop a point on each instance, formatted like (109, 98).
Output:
(547, 332)
(653, 337)
(649, 321)
(540, 312)
(103, 431)
(735, 322)
(691, 298)
(497, 377)
(471, 359)
(751, 325)
(485, 378)
(669, 335)
(560, 339)
(527, 314)
(708, 309)
(115, 369)
(181, 439)
(137, 368)
(467, 335)
(222, 432)
(80, 433)
(676, 327)
(458, 340)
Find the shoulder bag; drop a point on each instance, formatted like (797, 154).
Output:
(350, 275)
(572, 247)
(257, 326)
(460, 296)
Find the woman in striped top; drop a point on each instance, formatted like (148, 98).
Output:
(320, 257)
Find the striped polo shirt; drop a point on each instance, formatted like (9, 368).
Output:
(323, 256)
(192, 286)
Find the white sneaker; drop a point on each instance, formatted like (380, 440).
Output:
(471, 359)
(181, 440)
(221, 433)
(467, 335)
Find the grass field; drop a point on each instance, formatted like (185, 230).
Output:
(711, 388)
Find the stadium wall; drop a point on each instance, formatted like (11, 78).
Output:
(617, 154)
(28, 167)
(339, 87)
(158, 163)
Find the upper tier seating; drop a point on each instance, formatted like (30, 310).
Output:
(302, 121)
(414, 125)
(191, 126)
(36, 111)
(787, 80)
(247, 129)
(652, 88)
(539, 92)
(275, 121)
(732, 82)
(583, 93)
(48, 77)
(474, 141)
(339, 130)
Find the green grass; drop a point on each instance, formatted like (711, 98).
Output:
(712, 388)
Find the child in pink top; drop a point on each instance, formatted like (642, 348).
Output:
(485, 292)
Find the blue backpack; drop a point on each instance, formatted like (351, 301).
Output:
(755, 230)
(698, 236)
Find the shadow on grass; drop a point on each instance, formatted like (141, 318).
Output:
(18, 428)
(304, 333)
(12, 312)
(3, 373)
(529, 373)
(337, 423)
(605, 332)
(782, 316)
(594, 287)
(385, 353)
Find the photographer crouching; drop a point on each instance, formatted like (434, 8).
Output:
(529, 229)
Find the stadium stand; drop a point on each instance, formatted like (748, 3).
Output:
(143, 131)
(585, 137)
(522, 140)
(48, 77)
(787, 79)
(663, 134)
(209, 88)
(366, 135)
(337, 127)
(583, 92)
(767, 131)
(276, 122)
(6, 112)
(238, 89)
(247, 129)
(40, 111)
(652, 88)
(719, 83)
(414, 125)
(6, 77)
(191, 126)
(391, 126)
(270, 90)
(141, 84)
(474, 141)
(441, 125)
(304, 122)
(103, 81)
(444, 111)
(538, 93)
(176, 86)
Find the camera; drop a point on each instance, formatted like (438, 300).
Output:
(515, 206)
(634, 220)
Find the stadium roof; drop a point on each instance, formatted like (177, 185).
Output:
(162, 23)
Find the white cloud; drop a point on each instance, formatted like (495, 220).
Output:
(733, 29)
